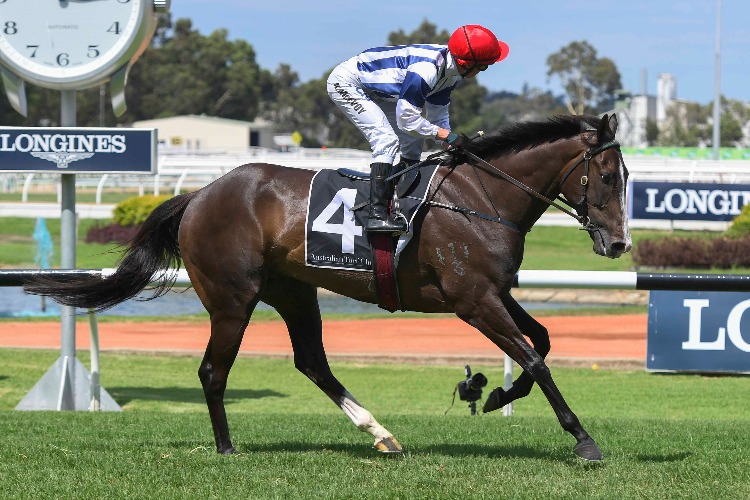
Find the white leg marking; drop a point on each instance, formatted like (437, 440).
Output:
(362, 418)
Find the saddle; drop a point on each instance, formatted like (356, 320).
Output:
(335, 236)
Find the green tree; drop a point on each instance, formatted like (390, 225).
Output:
(686, 125)
(277, 94)
(532, 103)
(318, 119)
(188, 73)
(652, 131)
(730, 131)
(590, 82)
(733, 115)
(466, 104)
(425, 33)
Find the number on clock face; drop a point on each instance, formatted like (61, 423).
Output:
(71, 39)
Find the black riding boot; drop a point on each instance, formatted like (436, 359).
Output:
(380, 193)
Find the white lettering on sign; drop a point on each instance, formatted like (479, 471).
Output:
(696, 201)
(348, 229)
(63, 143)
(695, 341)
(733, 326)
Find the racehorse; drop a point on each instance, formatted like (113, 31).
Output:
(242, 240)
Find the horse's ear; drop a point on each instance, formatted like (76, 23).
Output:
(601, 132)
(613, 124)
(607, 128)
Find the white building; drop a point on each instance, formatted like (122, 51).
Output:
(200, 133)
(632, 114)
(634, 111)
(666, 93)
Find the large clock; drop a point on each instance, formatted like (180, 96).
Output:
(74, 44)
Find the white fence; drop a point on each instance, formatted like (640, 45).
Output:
(177, 171)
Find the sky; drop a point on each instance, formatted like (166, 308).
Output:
(644, 38)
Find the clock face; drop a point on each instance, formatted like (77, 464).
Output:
(71, 44)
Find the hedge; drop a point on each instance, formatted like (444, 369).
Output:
(134, 211)
(127, 218)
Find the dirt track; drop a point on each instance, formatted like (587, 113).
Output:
(613, 340)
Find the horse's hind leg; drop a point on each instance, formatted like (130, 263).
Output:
(297, 303)
(539, 337)
(226, 336)
(230, 308)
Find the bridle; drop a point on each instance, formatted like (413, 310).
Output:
(581, 208)
(582, 218)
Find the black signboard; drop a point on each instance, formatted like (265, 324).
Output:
(698, 331)
(78, 150)
(687, 201)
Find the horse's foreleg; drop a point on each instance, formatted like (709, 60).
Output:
(539, 337)
(299, 308)
(500, 328)
(226, 336)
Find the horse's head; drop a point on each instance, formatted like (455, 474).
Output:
(598, 193)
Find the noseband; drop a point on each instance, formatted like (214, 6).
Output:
(582, 207)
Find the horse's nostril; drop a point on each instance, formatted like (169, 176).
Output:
(619, 247)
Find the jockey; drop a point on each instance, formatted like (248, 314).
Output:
(384, 91)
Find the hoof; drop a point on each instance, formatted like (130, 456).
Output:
(388, 445)
(497, 399)
(227, 451)
(588, 450)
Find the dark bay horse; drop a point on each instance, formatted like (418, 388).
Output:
(242, 240)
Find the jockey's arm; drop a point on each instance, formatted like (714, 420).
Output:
(409, 107)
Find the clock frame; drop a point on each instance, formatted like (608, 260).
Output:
(73, 44)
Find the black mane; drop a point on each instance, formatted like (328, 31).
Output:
(524, 135)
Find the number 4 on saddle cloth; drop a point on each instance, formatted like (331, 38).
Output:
(335, 235)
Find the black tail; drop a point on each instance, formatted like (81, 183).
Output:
(152, 249)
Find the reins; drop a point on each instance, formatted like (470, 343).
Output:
(456, 208)
(583, 220)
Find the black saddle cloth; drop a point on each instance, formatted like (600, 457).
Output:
(335, 235)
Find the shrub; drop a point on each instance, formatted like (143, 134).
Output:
(740, 225)
(127, 217)
(111, 233)
(693, 253)
(133, 211)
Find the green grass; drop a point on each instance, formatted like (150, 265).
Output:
(82, 196)
(18, 248)
(551, 247)
(664, 436)
(547, 247)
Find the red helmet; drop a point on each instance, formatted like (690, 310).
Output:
(473, 44)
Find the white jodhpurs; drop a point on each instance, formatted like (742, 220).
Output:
(376, 120)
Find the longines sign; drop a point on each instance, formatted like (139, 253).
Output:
(687, 201)
(78, 150)
(698, 331)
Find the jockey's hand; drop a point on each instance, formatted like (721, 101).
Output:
(454, 140)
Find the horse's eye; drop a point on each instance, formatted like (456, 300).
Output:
(608, 178)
